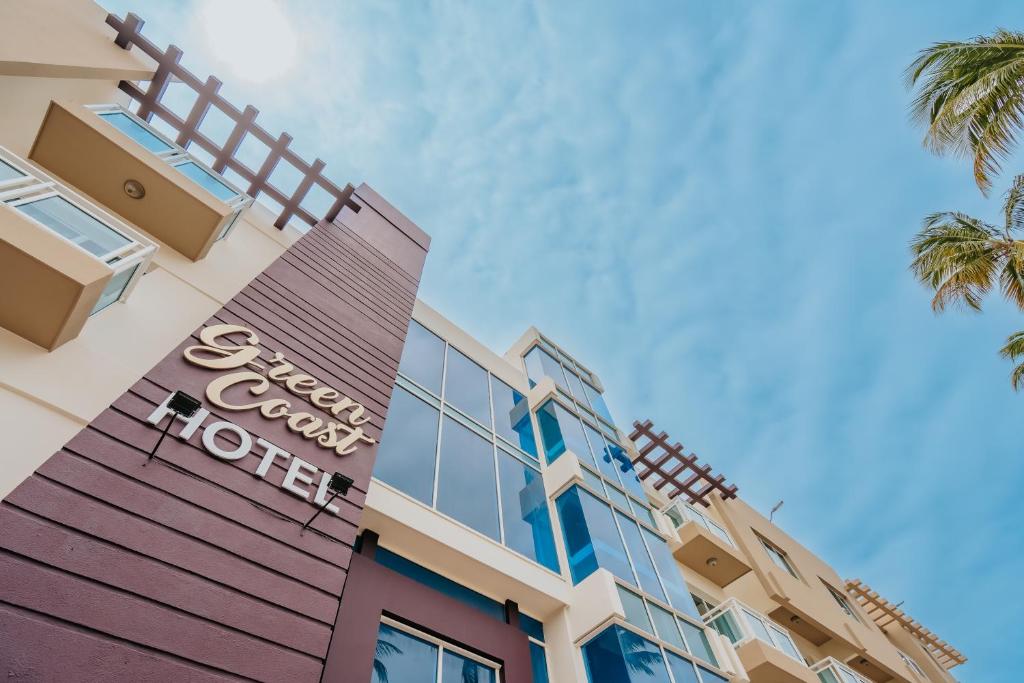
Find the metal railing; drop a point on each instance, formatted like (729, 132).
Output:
(741, 624)
(831, 670)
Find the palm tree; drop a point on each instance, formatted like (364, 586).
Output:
(971, 99)
(963, 258)
(382, 651)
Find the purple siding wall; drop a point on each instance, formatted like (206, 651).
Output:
(192, 568)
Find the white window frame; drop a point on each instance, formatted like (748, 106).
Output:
(841, 672)
(442, 646)
(177, 156)
(37, 185)
(773, 551)
(741, 616)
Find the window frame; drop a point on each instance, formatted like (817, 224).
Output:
(841, 601)
(442, 646)
(36, 185)
(773, 551)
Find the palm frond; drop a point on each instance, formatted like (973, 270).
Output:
(959, 257)
(971, 100)
(1013, 206)
(1014, 350)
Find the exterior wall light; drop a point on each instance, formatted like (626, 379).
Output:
(712, 562)
(134, 189)
(339, 485)
(181, 404)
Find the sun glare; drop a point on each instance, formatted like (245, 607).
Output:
(253, 39)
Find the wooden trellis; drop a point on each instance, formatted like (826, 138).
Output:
(884, 613)
(169, 70)
(678, 472)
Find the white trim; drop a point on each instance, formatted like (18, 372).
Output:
(442, 645)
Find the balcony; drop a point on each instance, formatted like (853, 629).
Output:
(62, 258)
(765, 649)
(122, 162)
(831, 670)
(705, 547)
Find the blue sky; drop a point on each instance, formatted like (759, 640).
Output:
(709, 203)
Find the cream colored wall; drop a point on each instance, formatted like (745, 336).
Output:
(64, 39)
(71, 385)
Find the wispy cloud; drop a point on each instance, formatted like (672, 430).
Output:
(709, 203)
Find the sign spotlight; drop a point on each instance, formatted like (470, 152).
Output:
(181, 404)
(338, 485)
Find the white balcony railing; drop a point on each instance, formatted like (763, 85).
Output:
(740, 624)
(831, 670)
(680, 513)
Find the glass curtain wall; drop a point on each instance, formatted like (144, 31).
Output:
(461, 440)
(619, 655)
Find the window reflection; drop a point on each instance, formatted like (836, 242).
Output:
(423, 357)
(525, 511)
(620, 656)
(402, 658)
(591, 538)
(405, 457)
(465, 387)
(512, 416)
(458, 669)
(466, 487)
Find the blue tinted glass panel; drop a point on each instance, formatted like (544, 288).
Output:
(601, 453)
(465, 387)
(665, 624)
(678, 593)
(524, 511)
(538, 664)
(682, 669)
(458, 669)
(633, 607)
(618, 497)
(597, 402)
(112, 292)
(467, 596)
(697, 642)
(512, 416)
(206, 180)
(623, 465)
(466, 487)
(402, 657)
(70, 222)
(560, 430)
(643, 513)
(136, 131)
(576, 387)
(423, 357)
(593, 481)
(405, 457)
(540, 364)
(641, 561)
(591, 539)
(711, 677)
(8, 172)
(621, 656)
(531, 627)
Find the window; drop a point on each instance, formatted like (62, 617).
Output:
(777, 556)
(65, 213)
(401, 655)
(137, 131)
(560, 430)
(619, 655)
(703, 606)
(423, 358)
(841, 600)
(642, 563)
(596, 400)
(208, 180)
(671, 576)
(911, 663)
(440, 452)
(680, 513)
(465, 387)
(540, 364)
(405, 457)
(591, 537)
(739, 624)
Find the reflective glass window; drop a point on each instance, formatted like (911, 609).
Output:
(711, 677)
(643, 513)
(641, 560)
(207, 180)
(678, 593)
(682, 668)
(560, 430)
(597, 402)
(524, 511)
(617, 655)
(666, 626)
(677, 518)
(136, 131)
(758, 627)
(576, 387)
(633, 607)
(624, 468)
(466, 487)
(591, 539)
(602, 454)
(618, 497)
(70, 222)
(400, 656)
(458, 669)
(465, 386)
(408, 446)
(112, 292)
(593, 481)
(512, 416)
(538, 663)
(540, 364)
(697, 642)
(8, 172)
(423, 357)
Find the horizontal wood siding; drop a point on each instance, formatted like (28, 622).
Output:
(193, 568)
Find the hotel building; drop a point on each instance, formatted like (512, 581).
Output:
(238, 446)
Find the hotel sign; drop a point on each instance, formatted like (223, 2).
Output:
(337, 422)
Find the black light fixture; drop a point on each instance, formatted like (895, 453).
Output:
(339, 485)
(181, 404)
